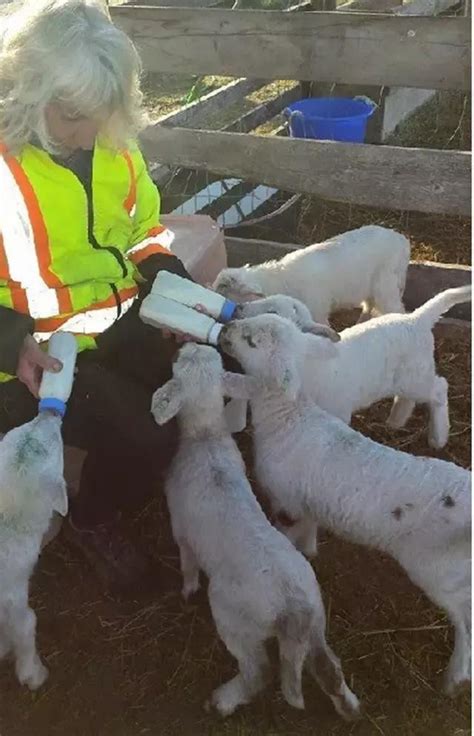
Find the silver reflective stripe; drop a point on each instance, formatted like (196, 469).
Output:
(20, 247)
(91, 322)
(165, 239)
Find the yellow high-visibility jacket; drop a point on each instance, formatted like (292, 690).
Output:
(68, 257)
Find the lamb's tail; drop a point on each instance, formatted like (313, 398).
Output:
(434, 308)
(294, 636)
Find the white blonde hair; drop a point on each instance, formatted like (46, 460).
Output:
(66, 51)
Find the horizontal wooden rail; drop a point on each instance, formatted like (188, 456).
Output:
(423, 180)
(217, 100)
(431, 53)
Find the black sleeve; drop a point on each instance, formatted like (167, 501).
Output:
(14, 327)
(162, 262)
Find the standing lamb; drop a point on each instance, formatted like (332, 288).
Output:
(314, 467)
(32, 488)
(259, 585)
(389, 356)
(365, 267)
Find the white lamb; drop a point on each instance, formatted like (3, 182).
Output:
(365, 267)
(259, 585)
(316, 468)
(32, 487)
(389, 356)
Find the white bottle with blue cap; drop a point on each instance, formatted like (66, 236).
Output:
(186, 292)
(55, 388)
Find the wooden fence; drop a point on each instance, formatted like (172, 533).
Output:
(336, 47)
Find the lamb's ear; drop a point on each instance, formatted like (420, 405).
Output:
(321, 331)
(284, 371)
(59, 497)
(238, 386)
(251, 296)
(57, 490)
(167, 401)
(321, 347)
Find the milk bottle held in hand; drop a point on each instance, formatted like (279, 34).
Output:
(55, 388)
(160, 312)
(190, 294)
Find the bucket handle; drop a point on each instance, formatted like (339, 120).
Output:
(368, 101)
(290, 114)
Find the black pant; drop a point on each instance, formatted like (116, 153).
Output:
(109, 416)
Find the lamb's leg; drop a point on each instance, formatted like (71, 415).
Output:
(326, 670)
(459, 668)
(5, 645)
(246, 643)
(253, 673)
(438, 432)
(29, 669)
(366, 312)
(303, 534)
(189, 569)
(294, 635)
(386, 296)
(402, 409)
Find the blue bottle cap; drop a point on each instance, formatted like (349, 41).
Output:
(53, 405)
(227, 311)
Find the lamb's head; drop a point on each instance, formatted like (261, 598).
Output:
(238, 284)
(31, 469)
(196, 383)
(272, 349)
(289, 308)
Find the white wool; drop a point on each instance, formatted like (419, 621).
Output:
(259, 585)
(315, 467)
(389, 356)
(365, 267)
(32, 487)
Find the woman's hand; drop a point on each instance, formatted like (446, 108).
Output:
(32, 361)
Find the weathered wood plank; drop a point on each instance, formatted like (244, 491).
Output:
(427, 7)
(425, 279)
(171, 3)
(338, 47)
(264, 112)
(209, 104)
(422, 180)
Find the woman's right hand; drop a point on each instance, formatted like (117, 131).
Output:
(32, 361)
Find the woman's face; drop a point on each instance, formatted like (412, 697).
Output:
(70, 130)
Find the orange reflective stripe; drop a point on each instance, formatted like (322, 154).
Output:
(40, 234)
(150, 244)
(149, 250)
(131, 199)
(50, 324)
(19, 299)
(4, 270)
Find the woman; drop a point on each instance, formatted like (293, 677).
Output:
(80, 241)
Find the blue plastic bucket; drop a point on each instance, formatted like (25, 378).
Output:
(330, 118)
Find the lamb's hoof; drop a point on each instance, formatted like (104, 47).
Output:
(34, 679)
(395, 423)
(190, 589)
(453, 687)
(224, 700)
(309, 550)
(348, 705)
(296, 701)
(437, 443)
